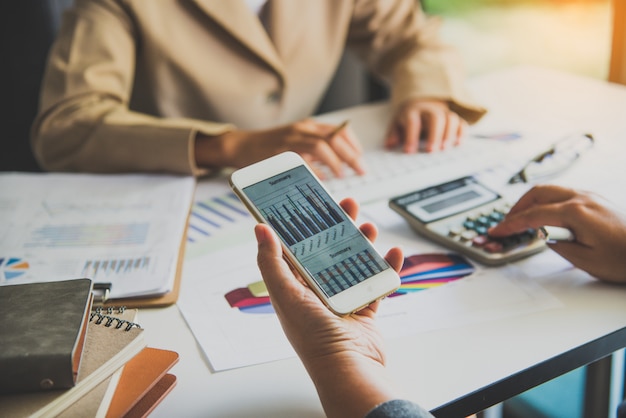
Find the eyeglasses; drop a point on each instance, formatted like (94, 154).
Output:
(560, 156)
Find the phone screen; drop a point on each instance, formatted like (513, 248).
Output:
(316, 230)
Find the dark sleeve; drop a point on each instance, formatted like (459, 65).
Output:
(621, 410)
(398, 408)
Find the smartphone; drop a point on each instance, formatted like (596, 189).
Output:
(319, 239)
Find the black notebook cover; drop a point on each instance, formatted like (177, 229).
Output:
(42, 329)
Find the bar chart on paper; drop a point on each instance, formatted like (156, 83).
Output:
(101, 269)
(214, 214)
(217, 220)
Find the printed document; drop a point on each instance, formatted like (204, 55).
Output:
(125, 230)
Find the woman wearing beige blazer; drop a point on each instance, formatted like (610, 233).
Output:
(192, 85)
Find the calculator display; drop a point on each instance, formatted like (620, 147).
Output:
(446, 199)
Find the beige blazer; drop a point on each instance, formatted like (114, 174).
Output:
(130, 83)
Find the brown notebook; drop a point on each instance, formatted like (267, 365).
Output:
(141, 385)
(42, 333)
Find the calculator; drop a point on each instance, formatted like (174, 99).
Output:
(458, 213)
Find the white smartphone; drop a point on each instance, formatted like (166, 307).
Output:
(319, 239)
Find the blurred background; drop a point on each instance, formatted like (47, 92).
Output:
(568, 35)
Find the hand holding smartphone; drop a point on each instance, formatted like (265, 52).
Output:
(319, 240)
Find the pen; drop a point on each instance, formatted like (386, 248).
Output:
(554, 234)
(338, 129)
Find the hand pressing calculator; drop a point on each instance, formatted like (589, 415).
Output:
(458, 214)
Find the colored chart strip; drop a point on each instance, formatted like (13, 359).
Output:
(410, 287)
(210, 216)
(419, 272)
(243, 299)
(426, 271)
(88, 235)
(12, 268)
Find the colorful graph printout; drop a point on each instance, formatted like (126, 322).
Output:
(419, 272)
(12, 268)
(425, 271)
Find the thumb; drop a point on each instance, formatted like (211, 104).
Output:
(273, 267)
(269, 249)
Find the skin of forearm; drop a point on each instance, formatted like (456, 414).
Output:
(213, 151)
(350, 385)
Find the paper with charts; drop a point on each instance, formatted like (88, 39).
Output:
(227, 307)
(120, 229)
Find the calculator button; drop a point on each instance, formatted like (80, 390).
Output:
(473, 216)
(455, 230)
(481, 230)
(468, 235)
(496, 216)
(503, 209)
(493, 247)
(480, 241)
(469, 224)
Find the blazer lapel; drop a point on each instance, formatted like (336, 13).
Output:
(287, 20)
(236, 18)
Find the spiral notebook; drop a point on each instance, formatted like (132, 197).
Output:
(113, 339)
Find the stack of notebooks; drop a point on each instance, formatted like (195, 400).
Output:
(60, 358)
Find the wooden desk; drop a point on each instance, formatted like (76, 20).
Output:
(459, 370)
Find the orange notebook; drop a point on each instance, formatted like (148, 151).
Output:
(143, 384)
(154, 396)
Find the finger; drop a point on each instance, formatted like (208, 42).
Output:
(533, 217)
(450, 130)
(270, 256)
(369, 230)
(350, 206)
(319, 150)
(282, 283)
(412, 130)
(436, 125)
(395, 258)
(460, 134)
(347, 153)
(351, 139)
(392, 138)
(329, 132)
(543, 194)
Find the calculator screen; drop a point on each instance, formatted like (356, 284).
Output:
(446, 199)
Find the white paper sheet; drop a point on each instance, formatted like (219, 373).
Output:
(231, 337)
(120, 229)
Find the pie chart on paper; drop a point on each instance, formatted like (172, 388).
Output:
(12, 268)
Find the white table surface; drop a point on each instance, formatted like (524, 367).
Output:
(461, 366)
